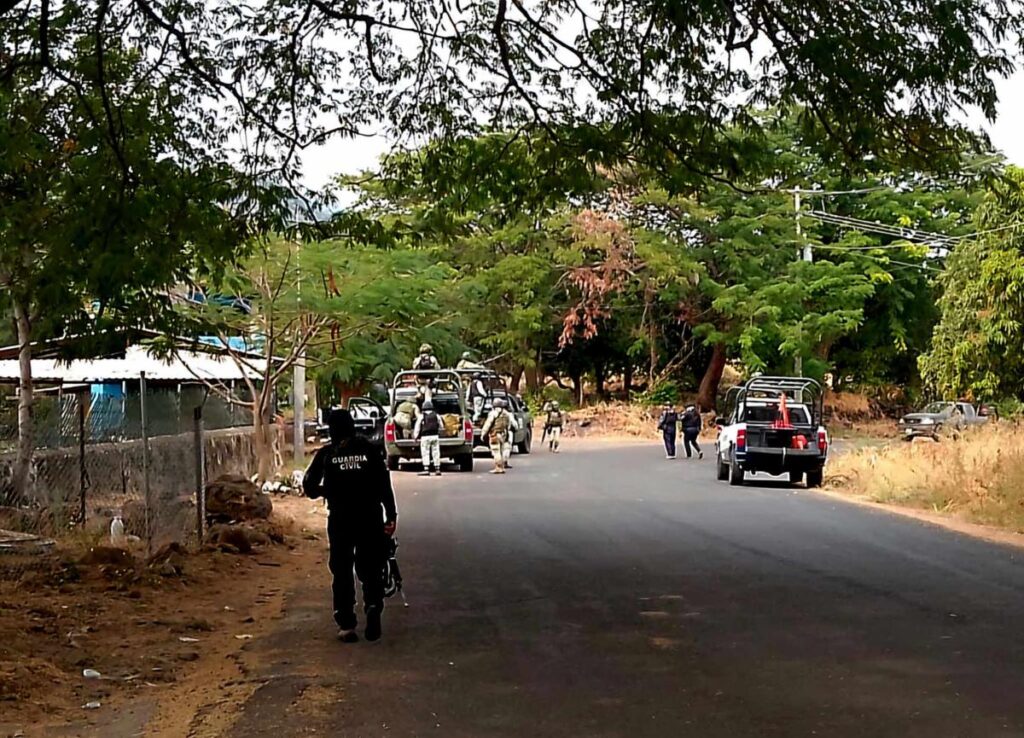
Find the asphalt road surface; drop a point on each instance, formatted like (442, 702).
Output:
(609, 592)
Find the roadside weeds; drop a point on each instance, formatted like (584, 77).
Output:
(972, 484)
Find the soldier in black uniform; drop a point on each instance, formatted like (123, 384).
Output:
(352, 475)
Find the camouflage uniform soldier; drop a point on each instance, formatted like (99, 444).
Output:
(553, 426)
(497, 427)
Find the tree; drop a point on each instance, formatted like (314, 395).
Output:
(95, 229)
(327, 303)
(976, 346)
(664, 78)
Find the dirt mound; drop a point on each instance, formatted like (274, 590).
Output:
(108, 556)
(169, 561)
(234, 498)
(242, 539)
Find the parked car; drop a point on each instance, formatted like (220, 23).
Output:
(496, 387)
(939, 418)
(449, 399)
(775, 426)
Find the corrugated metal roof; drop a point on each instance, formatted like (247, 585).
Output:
(185, 366)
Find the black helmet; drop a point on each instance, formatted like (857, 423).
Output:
(428, 405)
(340, 425)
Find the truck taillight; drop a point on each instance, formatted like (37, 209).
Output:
(741, 438)
(467, 430)
(389, 432)
(822, 441)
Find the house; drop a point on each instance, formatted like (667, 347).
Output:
(108, 388)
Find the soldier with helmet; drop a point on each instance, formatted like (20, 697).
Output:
(425, 361)
(553, 425)
(498, 427)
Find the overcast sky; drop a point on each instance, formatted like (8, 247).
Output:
(352, 156)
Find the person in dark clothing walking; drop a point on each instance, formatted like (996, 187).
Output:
(351, 473)
(691, 423)
(667, 425)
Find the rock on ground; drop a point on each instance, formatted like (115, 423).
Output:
(233, 498)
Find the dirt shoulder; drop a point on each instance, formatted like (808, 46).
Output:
(160, 643)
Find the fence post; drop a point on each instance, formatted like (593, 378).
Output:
(81, 460)
(145, 463)
(200, 455)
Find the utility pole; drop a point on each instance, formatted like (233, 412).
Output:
(299, 380)
(805, 252)
(299, 403)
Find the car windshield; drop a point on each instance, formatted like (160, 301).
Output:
(938, 408)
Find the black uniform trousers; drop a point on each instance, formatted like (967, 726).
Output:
(364, 549)
(690, 436)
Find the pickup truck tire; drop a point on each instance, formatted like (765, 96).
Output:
(722, 468)
(814, 478)
(796, 477)
(736, 475)
(393, 463)
(465, 462)
(527, 444)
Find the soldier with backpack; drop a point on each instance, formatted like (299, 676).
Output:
(553, 426)
(498, 427)
(425, 361)
(428, 431)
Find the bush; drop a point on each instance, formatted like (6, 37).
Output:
(1009, 409)
(662, 393)
(535, 400)
(979, 478)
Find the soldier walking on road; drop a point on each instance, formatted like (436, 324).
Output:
(497, 427)
(691, 423)
(667, 425)
(352, 475)
(428, 431)
(553, 426)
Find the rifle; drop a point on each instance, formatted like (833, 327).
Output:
(544, 435)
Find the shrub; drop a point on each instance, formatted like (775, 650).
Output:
(979, 477)
(667, 391)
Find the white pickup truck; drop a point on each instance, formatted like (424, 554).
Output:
(774, 427)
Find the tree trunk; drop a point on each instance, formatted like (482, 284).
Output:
(533, 378)
(26, 402)
(264, 448)
(517, 377)
(599, 380)
(577, 388)
(707, 395)
(627, 381)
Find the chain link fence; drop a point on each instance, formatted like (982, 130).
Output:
(137, 451)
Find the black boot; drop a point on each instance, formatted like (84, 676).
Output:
(373, 630)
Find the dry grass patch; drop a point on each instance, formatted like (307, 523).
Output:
(977, 478)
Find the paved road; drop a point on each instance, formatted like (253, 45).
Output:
(609, 592)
